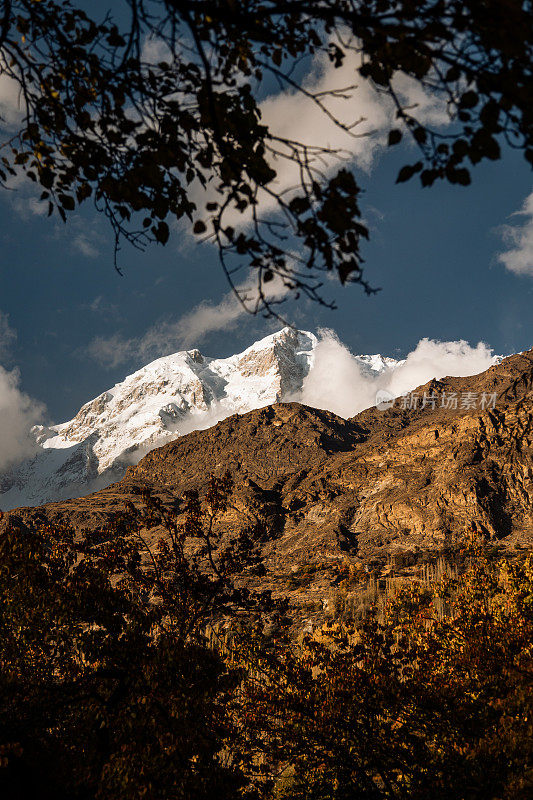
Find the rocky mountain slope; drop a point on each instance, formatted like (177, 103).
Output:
(167, 398)
(316, 492)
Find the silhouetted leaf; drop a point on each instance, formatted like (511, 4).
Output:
(395, 136)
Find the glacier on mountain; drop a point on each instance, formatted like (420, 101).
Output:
(173, 396)
(167, 398)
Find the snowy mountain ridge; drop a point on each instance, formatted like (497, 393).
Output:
(184, 391)
(167, 398)
(187, 391)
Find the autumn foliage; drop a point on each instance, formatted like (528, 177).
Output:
(133, 665)
(153, 111)
(420, 705)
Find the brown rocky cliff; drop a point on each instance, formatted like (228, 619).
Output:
(317, 490)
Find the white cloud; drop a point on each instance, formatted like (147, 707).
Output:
(110, 351)
(28, 205)
(519, 257)
(429, 108)
(337, 382)
(18, 413)
(167, 336)
(101, 306)
(11, 105)
(85, 245)
(294, 116)
(207, 318)
(154, 50)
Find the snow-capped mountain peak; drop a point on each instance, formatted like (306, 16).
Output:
(185, 390)
(167, 398)
(188, 390)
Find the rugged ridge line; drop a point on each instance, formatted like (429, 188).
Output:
(319, 490)
(165, 399)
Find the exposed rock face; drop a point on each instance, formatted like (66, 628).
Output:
(318, 489)
(168, 397)
(171, 396)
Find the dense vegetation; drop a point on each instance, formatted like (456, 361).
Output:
(132, 666)
(154, 112)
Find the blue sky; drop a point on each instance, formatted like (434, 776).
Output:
(433, 252)
(80, 327)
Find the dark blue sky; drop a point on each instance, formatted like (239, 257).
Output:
(433, 252)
